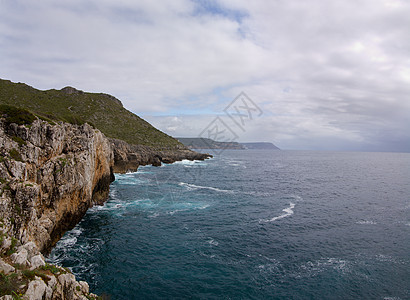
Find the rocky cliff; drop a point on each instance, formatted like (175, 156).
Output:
(50, 174)
(129, 157)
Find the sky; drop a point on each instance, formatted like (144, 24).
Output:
(305, 75)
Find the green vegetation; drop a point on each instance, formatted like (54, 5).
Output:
(19, 140)
(12, 248)
(9, 284)
(14, 154)
(15, 283)
(53, 269)
(18, 209)
(17, 296)
(69, 105)
(16, 115)
(94, 298)
(63, 162)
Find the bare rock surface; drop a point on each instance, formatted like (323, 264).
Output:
(49, 176)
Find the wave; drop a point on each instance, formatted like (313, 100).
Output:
(189, 206)
(190, 162)
(127, 179)
(366, 222)
(212, 242)
(195, 187)
(288, 212)
(314, 268)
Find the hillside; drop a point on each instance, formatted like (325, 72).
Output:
(260, 146)
(203, 143)
(102, 111)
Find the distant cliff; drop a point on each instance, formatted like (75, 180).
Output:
(204, 143)
(260, 146)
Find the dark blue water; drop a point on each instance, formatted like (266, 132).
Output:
(251, 225)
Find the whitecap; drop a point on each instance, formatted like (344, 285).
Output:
(186, 206)
(366, 222)
(311, 269)
(68, 242)
(131, 172)
(212, 242)
(195, 187)
(288, 212)
(297, 198)
(127, 179)
(190, 162)
(172, 212)
(203, 206)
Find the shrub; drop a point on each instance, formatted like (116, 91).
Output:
(9, 283)
(16, 115)
(74, 120)
(19, 140)
(53, 269)
(12, 248)
(14, 154)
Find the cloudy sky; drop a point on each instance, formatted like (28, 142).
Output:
(331, 75)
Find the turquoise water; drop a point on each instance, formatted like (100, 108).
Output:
(251, 225)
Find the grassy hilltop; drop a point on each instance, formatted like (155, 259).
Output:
(103, 111)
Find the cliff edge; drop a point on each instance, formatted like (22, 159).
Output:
(50, 175)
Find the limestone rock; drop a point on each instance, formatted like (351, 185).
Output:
(36, 290)
(64, 170)
(85, 288)
(20, 257)
(6, 268)
(37, 261)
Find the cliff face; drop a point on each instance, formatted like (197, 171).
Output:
(127, 158)
(50, 176)
(53, 174)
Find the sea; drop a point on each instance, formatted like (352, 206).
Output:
(250, 224)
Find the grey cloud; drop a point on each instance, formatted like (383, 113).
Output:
(326, 73)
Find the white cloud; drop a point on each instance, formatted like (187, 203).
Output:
(321, 71)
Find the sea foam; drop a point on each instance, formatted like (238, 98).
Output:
(195, 187)
(288, 212)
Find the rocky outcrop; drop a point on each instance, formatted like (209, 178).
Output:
(127, 158)
(50, 175)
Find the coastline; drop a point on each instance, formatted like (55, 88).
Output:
(51, 175)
